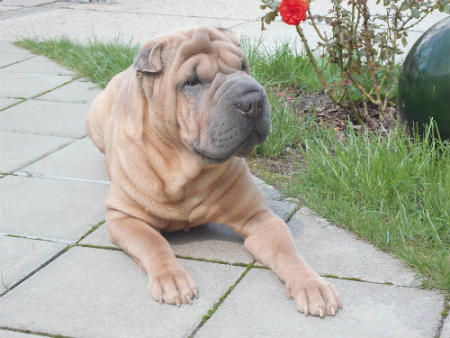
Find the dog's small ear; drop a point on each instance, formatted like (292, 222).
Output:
(148, 59)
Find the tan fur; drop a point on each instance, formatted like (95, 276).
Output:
(144, 126)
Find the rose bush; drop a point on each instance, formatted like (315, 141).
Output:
(363, 45)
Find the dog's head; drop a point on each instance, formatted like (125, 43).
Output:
(201, 95)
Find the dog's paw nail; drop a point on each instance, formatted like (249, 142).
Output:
(320, 312)
(332, 311)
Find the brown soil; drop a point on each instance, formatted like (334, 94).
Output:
(329, 114)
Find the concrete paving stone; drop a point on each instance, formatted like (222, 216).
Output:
(21, 256)
(46, 118)
(12, 334)
(231, 9)
(80, 91)
(28, 85)
(18, 150)
(445, 332)
(8, 8)
(332, 250)
(47, 208)
(39, 65)
(25, 3)
(102, 293)
(210, 241)
(5, 102)
(10, 54)
(281, 206)
(81, 159)
(96, 25)
(257, 307)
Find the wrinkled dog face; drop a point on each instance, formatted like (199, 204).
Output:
(219, 110)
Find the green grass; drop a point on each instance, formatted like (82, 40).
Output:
(285, 129)
(96, 60)
(284, 67)
(389, 189)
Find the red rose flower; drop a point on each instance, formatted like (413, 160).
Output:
(293, 11)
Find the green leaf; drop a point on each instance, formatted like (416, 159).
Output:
(404, 42)
(404, 6)
(415, 13)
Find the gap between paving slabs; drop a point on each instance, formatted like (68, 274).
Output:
(51, 259)
(24, 99)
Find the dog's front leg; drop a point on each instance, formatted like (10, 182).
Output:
(169, 282)
(269, 239)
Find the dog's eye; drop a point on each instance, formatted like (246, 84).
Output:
(244, 66)
(192, 81)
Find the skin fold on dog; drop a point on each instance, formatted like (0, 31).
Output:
(175, 128)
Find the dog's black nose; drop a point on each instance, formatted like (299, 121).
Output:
(250, 104)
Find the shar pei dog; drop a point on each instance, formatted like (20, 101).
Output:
(175, 128)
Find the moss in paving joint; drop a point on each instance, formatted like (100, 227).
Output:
(355, 279)
(211, 311)
(37, 333)
(102, 247)
(40, 94)
(74, 78)
(92, 229)
(38, 239)
(444, 315)
(43, 265)
(5, 286)
(7, 174)
(292, 213)
(217, 261)
(13, 104)
(16, 62)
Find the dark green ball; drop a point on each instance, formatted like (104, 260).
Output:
(424, 82)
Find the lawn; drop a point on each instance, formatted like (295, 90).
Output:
(385, 187)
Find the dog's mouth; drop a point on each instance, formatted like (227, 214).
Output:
(242, 150)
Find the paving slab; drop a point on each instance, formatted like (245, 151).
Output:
(12, 334)
(232, 9)
(26, 3)
(79, 91)
(21, 256)
(39, 65)
(26, 85)
(5, 102)
(445, 332)
(17, 150)
(46, 118)
(8, 8)
(332, 250)
(257, 307)
(53, 209)
(81, 160)
(10, 54)
(102, 293)
(100, 25)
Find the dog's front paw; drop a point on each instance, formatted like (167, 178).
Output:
(173, 285)
(314, 295)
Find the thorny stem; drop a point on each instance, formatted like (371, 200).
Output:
(318, 72)
(313, 23)
(369, 51)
